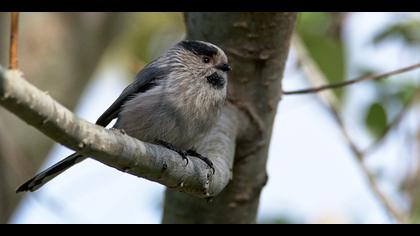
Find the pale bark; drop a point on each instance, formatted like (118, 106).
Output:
(121, 151)
(257, 46)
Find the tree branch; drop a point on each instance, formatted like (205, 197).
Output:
(13, 61)
(121, 151)
(353, 81)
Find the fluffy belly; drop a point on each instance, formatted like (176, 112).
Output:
(161, 123)
(148, 117)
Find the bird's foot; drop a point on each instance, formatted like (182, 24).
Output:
(170, 146)
(193, 153)
(184, 154)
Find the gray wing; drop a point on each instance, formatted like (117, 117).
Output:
(144, 80)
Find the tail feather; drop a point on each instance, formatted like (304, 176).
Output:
(42, 178)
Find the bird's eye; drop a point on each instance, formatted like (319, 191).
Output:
(206, 60)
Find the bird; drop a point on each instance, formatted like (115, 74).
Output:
(173, 101)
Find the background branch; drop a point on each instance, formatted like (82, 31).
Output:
(121, 151)
(353, 81)
(13, 57)
(316, 77)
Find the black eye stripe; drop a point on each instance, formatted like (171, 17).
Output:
(199, 48)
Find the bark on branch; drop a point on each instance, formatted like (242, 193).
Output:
(121, 151)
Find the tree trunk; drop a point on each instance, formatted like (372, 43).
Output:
(257, 46)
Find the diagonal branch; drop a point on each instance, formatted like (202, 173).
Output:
(353, 81)
(121, 151)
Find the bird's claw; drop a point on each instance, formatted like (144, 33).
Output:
(193, 153)
(184, 154)
(170, 146)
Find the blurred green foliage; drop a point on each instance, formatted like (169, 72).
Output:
(153, 33)
(392, 94)
(326, 49)
(415, 209)
(147, 35)
(407, 31)
(391, 97)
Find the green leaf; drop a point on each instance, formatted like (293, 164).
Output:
(327, 51)
(376, 119)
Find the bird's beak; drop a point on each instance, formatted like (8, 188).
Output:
(223, 67)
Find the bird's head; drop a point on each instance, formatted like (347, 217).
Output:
(200, 63)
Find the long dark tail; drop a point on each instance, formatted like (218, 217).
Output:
(42, 178)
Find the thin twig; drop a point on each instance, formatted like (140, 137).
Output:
(353, 81)
(315, 76)
(13, 61)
